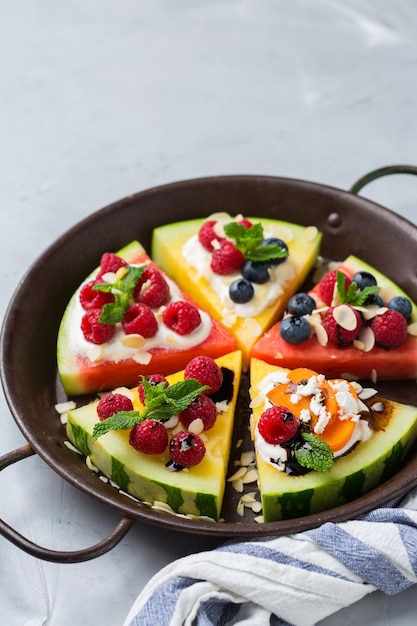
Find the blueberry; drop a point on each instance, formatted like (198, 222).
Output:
(364, 279)
(301, 304)
(402, 305)
(241, 291)
(374, 298)
(295, 329)
(256, 271)
(274, 241)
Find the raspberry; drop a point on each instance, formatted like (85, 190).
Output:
(110, 263)
(92, 298)
(152, 288)
(336, 333)
(246, 223)
(206, 371)
(149, 437)
(207, 234)
(226, 259)
(181, 317)
(153, 379)
(327, 285)
(202, 408)
(186, 449)
(277, 425)
(93, 330)
(139, 319)
(390, 329)
(113, 403)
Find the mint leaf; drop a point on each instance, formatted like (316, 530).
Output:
(161, 403)
(314, 453)
(352, 295)
(124, 420)
(249, 242)
(122, 290)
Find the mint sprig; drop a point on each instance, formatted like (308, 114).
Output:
(122, 289)
(249, 242)
(352, 295)
(161, 403)
(314, 453)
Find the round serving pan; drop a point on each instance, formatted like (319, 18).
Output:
(350, 225)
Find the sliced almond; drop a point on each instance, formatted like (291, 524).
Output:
(378, 407)
(310, 233)
(366, 393)
(412, 329)
(134, 340)
(250, 477)
(196, 426)
(238, 474)
(142, 357)
(321, 335)
(121, 273)
(345, 317)
(366, 339)
(64, 407)
(247, 457)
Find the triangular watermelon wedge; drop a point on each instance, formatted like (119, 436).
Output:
(354, 361)
(383, 444)
(86, 367)
(196, 491)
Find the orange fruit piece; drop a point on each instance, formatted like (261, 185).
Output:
(337, 432)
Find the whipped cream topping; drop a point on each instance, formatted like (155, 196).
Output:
(117, 350)
(265, 294)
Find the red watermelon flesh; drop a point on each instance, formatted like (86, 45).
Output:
(80, 375)
(348, 361)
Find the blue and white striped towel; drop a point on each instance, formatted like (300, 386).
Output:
(297, 579)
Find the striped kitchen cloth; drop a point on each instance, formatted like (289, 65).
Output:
(297, 579)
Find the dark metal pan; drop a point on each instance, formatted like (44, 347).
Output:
(350, 224)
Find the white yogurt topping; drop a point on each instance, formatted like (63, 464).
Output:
(199, 258)
(116, 351)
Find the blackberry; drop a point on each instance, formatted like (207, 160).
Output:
(294, 329)
(241, 291)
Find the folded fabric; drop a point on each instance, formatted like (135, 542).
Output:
(297, 579)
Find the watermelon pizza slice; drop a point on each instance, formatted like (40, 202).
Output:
(129, 319)
(355, 323)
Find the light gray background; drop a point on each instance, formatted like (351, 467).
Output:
(100, 99)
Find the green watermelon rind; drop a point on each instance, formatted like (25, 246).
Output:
(370, 464)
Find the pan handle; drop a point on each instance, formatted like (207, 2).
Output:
(379, 173)
(57, 556)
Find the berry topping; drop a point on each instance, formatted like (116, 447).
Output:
(345, 332)
(295, 329)
(327, 286)
(402, 305)
(139, 319)
(93, 330)
(202, 408)
(153, 379)
(364, 279)
(152, 288)
(207, 235)
(374, 299)
(181, 317)
(241, 291)
(113, 403)
(256, 271)
(390, 329)
(149, 437)
(186, 449)
(274, 241)
(226, 259)
(245, 222)
(278, 425)
(301, 304)
(92, 298)
(110, 263)
(206, 371)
